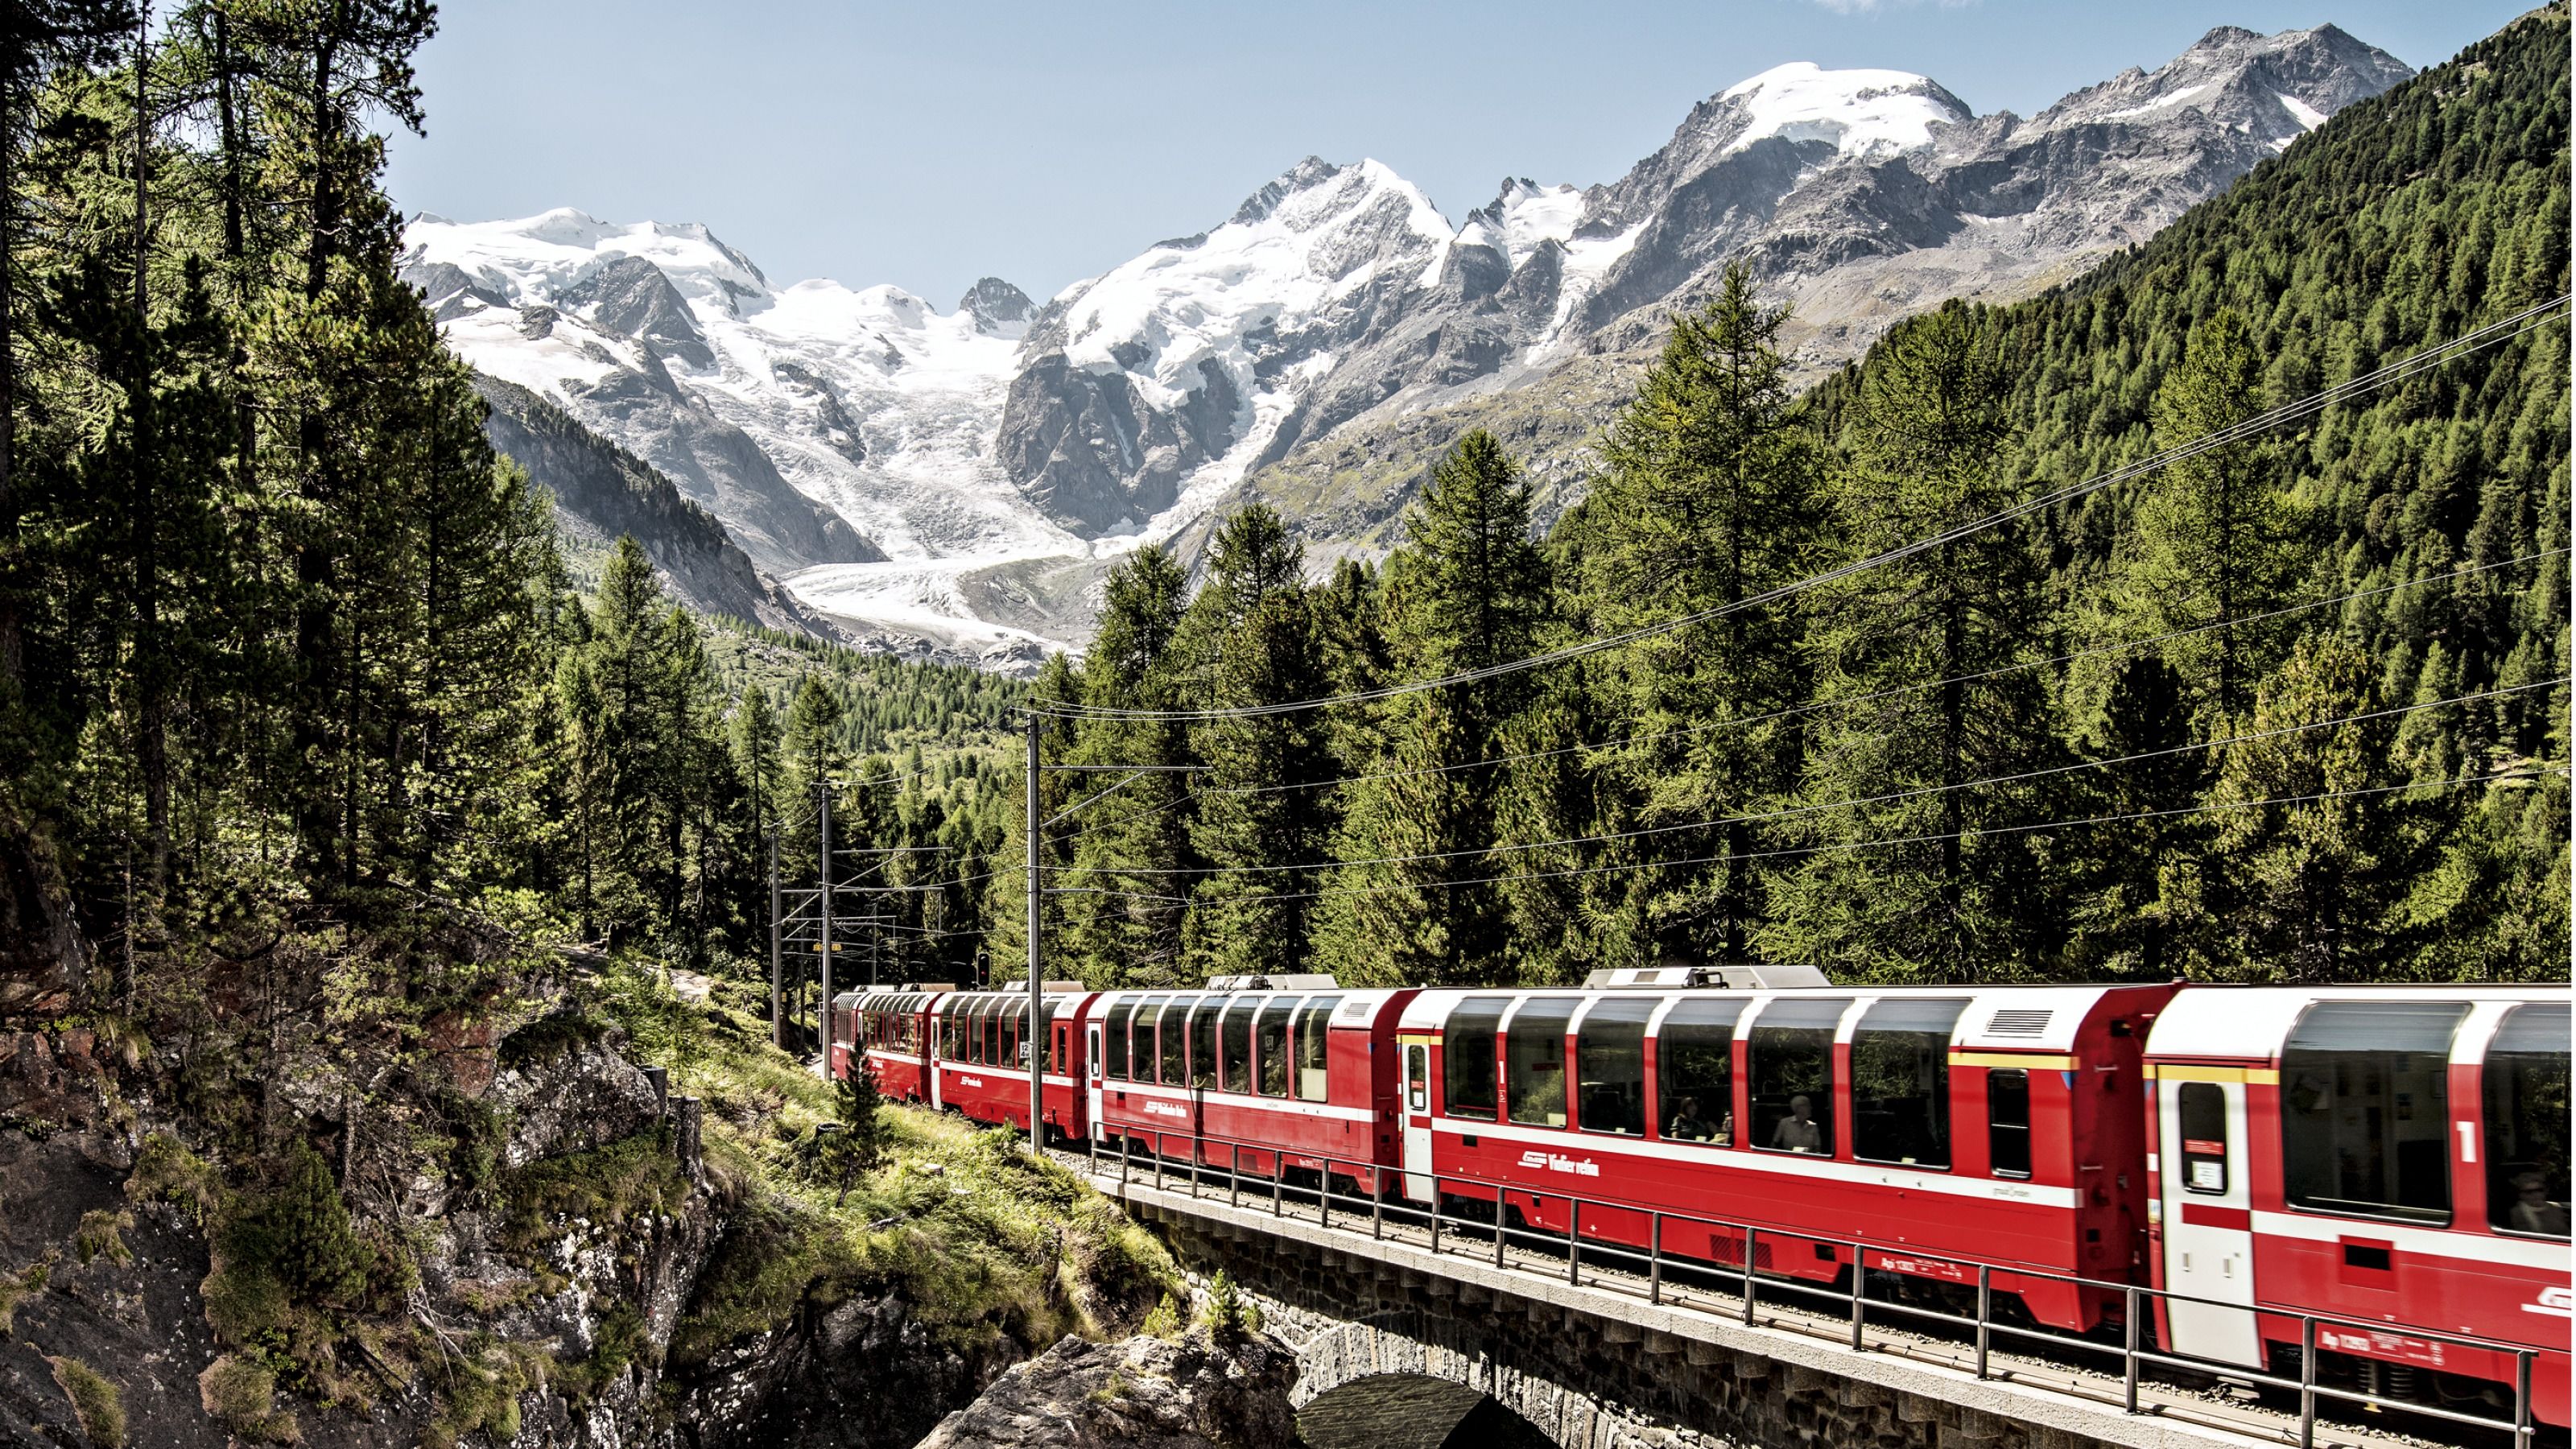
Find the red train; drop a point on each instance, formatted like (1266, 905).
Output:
(2389, 1157)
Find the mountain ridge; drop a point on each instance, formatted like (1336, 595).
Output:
(1318, 348)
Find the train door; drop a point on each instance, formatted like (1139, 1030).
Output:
(1416, 1111)
(1091, 1077)
(2208, 1230)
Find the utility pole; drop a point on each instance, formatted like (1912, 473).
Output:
(1034, 1036)
(777, 967)
(823, 1013)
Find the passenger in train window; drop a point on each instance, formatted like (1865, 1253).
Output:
(1799, 1131)
(1689, 1126)
(2533, 1212)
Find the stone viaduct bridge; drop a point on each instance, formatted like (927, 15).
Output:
(1408, 1344)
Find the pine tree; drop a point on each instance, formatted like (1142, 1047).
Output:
(2213, 539)
(1708, 502)
(1131, 838)
(2314, 841)
(1918, 659)
(1264, 817)
(1465, 593)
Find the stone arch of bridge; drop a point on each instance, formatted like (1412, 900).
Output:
(1412, 1411)
(1376, 1371)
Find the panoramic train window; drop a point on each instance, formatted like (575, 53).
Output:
(1203, 1040)
(2365, 1117)
(1610, 1065)
(1270, 1031)
(1467, 1056)
(1113, 1041)
(1174, 1033)
(1534, 1059)
(1047, 1035)
(1141, 1055)
(1236, 1040)
(1015, 1036)
(1791, 1059)
(2008, 1122)
(1900, 1070)
(2203, 1130)
(1695, 1071)
(2526, 1112)
(1312, 1045)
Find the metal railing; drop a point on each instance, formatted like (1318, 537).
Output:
(1751, 1282)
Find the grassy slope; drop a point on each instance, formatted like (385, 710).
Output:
(979, 1242)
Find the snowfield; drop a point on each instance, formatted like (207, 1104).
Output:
(1001, 455)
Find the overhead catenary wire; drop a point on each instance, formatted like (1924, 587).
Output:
(1936, 837)
(2502, 330)
(1849, 702)
(1818, 807)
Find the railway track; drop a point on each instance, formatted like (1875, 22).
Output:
(2034, 1359)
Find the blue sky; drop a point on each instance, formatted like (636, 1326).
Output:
(929, 144)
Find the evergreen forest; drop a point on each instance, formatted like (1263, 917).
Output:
(290, 654)
(2290, 707)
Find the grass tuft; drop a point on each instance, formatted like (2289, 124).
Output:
(94, 1399)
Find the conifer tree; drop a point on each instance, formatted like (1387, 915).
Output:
(2212, 537)
(1917, 658)
(2315, 841)
(1263, 810)
(1465, 593)
(1127, 840)
(1708, 501)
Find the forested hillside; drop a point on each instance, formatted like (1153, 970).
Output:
(350, 823)
(2291, 707)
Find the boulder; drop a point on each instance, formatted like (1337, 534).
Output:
(1195, 1392)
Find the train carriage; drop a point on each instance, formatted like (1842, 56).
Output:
(1997, 1126)
(889, 1032)
(1297, 1072)
(2370, 1156)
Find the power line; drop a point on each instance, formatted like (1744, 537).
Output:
(1929, 838)
(1794, 711)
(1893, 797)
(2502, 330)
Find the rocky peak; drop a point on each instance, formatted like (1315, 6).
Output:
(1312, 172)
(2272, 87)
(999, 309)
(1860, 113)
(628, 295)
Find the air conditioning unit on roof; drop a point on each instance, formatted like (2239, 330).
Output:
(1677, 977)
(1314, 982)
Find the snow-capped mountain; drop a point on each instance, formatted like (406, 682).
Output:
(963, 476)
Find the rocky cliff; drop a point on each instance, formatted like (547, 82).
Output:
(370, 1189)
(602, 491)
(1198, 1390)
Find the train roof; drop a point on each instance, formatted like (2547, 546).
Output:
(2003, 1018)
(1359, 1006)
(2239, 1023)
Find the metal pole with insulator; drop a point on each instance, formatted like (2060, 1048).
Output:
(1037, 1052)
(777, 962)
(823, 1011)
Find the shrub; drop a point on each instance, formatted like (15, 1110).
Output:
(166, 1171)
(1164, 1321)
(300, 1233)
(26, 1282)
(1228, 1315)
(101, 1234)
(94, 1399)
(243, 1395)
(478, 1391)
